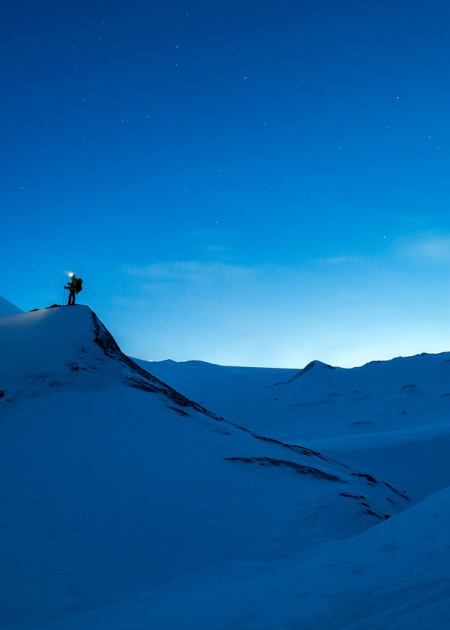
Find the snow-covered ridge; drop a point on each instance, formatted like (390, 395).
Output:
(68, 348)
(124, 503)
(314, 365)
(390, 400)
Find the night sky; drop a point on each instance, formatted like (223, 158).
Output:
(245, 182)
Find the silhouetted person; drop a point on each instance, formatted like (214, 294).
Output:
(74, 286)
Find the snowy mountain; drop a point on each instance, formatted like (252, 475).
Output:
(8, 308)
(125, 504)
(392, 417)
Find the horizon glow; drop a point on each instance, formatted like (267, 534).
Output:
(257, 184)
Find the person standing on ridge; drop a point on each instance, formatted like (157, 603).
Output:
(74, 286)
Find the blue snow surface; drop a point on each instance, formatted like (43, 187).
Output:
(186, 496)
(8, 308)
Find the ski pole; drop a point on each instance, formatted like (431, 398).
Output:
(64, 296)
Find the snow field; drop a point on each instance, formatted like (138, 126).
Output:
(122, 504)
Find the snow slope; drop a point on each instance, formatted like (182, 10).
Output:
(8, 308)
(125, 504)
(394, 576)
(392, 417)
(378, 398)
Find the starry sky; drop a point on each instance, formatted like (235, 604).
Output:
(245, 182)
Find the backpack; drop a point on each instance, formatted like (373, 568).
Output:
(79, 285)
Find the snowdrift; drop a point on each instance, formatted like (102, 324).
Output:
(393, 576)
(124, 503)
(115, 484)
(385, 400)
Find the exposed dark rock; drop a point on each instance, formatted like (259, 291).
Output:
(397, 492)
(371, 480)
(141, 384)
(140, 379)
(363, 503)
(299, 468)
(297, 449)
(352, 496)
(372, 513)
(180, 411)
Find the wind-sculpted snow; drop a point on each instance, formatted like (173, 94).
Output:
(68, 348)
(332, 410)
(138, 378)
(125, 504)
(298, 468)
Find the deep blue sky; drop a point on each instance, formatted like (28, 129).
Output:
(244, 182)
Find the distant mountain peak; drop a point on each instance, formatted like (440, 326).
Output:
(313, 365)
